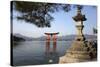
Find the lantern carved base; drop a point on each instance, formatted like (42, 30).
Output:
(80, 51)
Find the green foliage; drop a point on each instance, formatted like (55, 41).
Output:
(95, 31)
(38, 13)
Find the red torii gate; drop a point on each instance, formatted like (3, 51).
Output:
(48, 38)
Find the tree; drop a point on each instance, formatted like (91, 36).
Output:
(38, 13)
(95, 31)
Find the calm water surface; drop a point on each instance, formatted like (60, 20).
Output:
(37, 52)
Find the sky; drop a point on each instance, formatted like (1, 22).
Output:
(62, 23)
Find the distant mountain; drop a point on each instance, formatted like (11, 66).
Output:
(65, 38)
(15, 38)
(72, 37)
(43, 38)
(24, 37)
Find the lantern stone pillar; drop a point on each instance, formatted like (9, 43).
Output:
(79, 18)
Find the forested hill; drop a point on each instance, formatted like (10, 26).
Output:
(15, 38)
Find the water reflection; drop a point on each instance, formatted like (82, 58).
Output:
(47, 48)
(50, 49)
(38, 52)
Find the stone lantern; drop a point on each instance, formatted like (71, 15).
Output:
(79, 18)
(79, 51)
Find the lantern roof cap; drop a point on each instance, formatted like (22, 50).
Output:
(79, 16)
